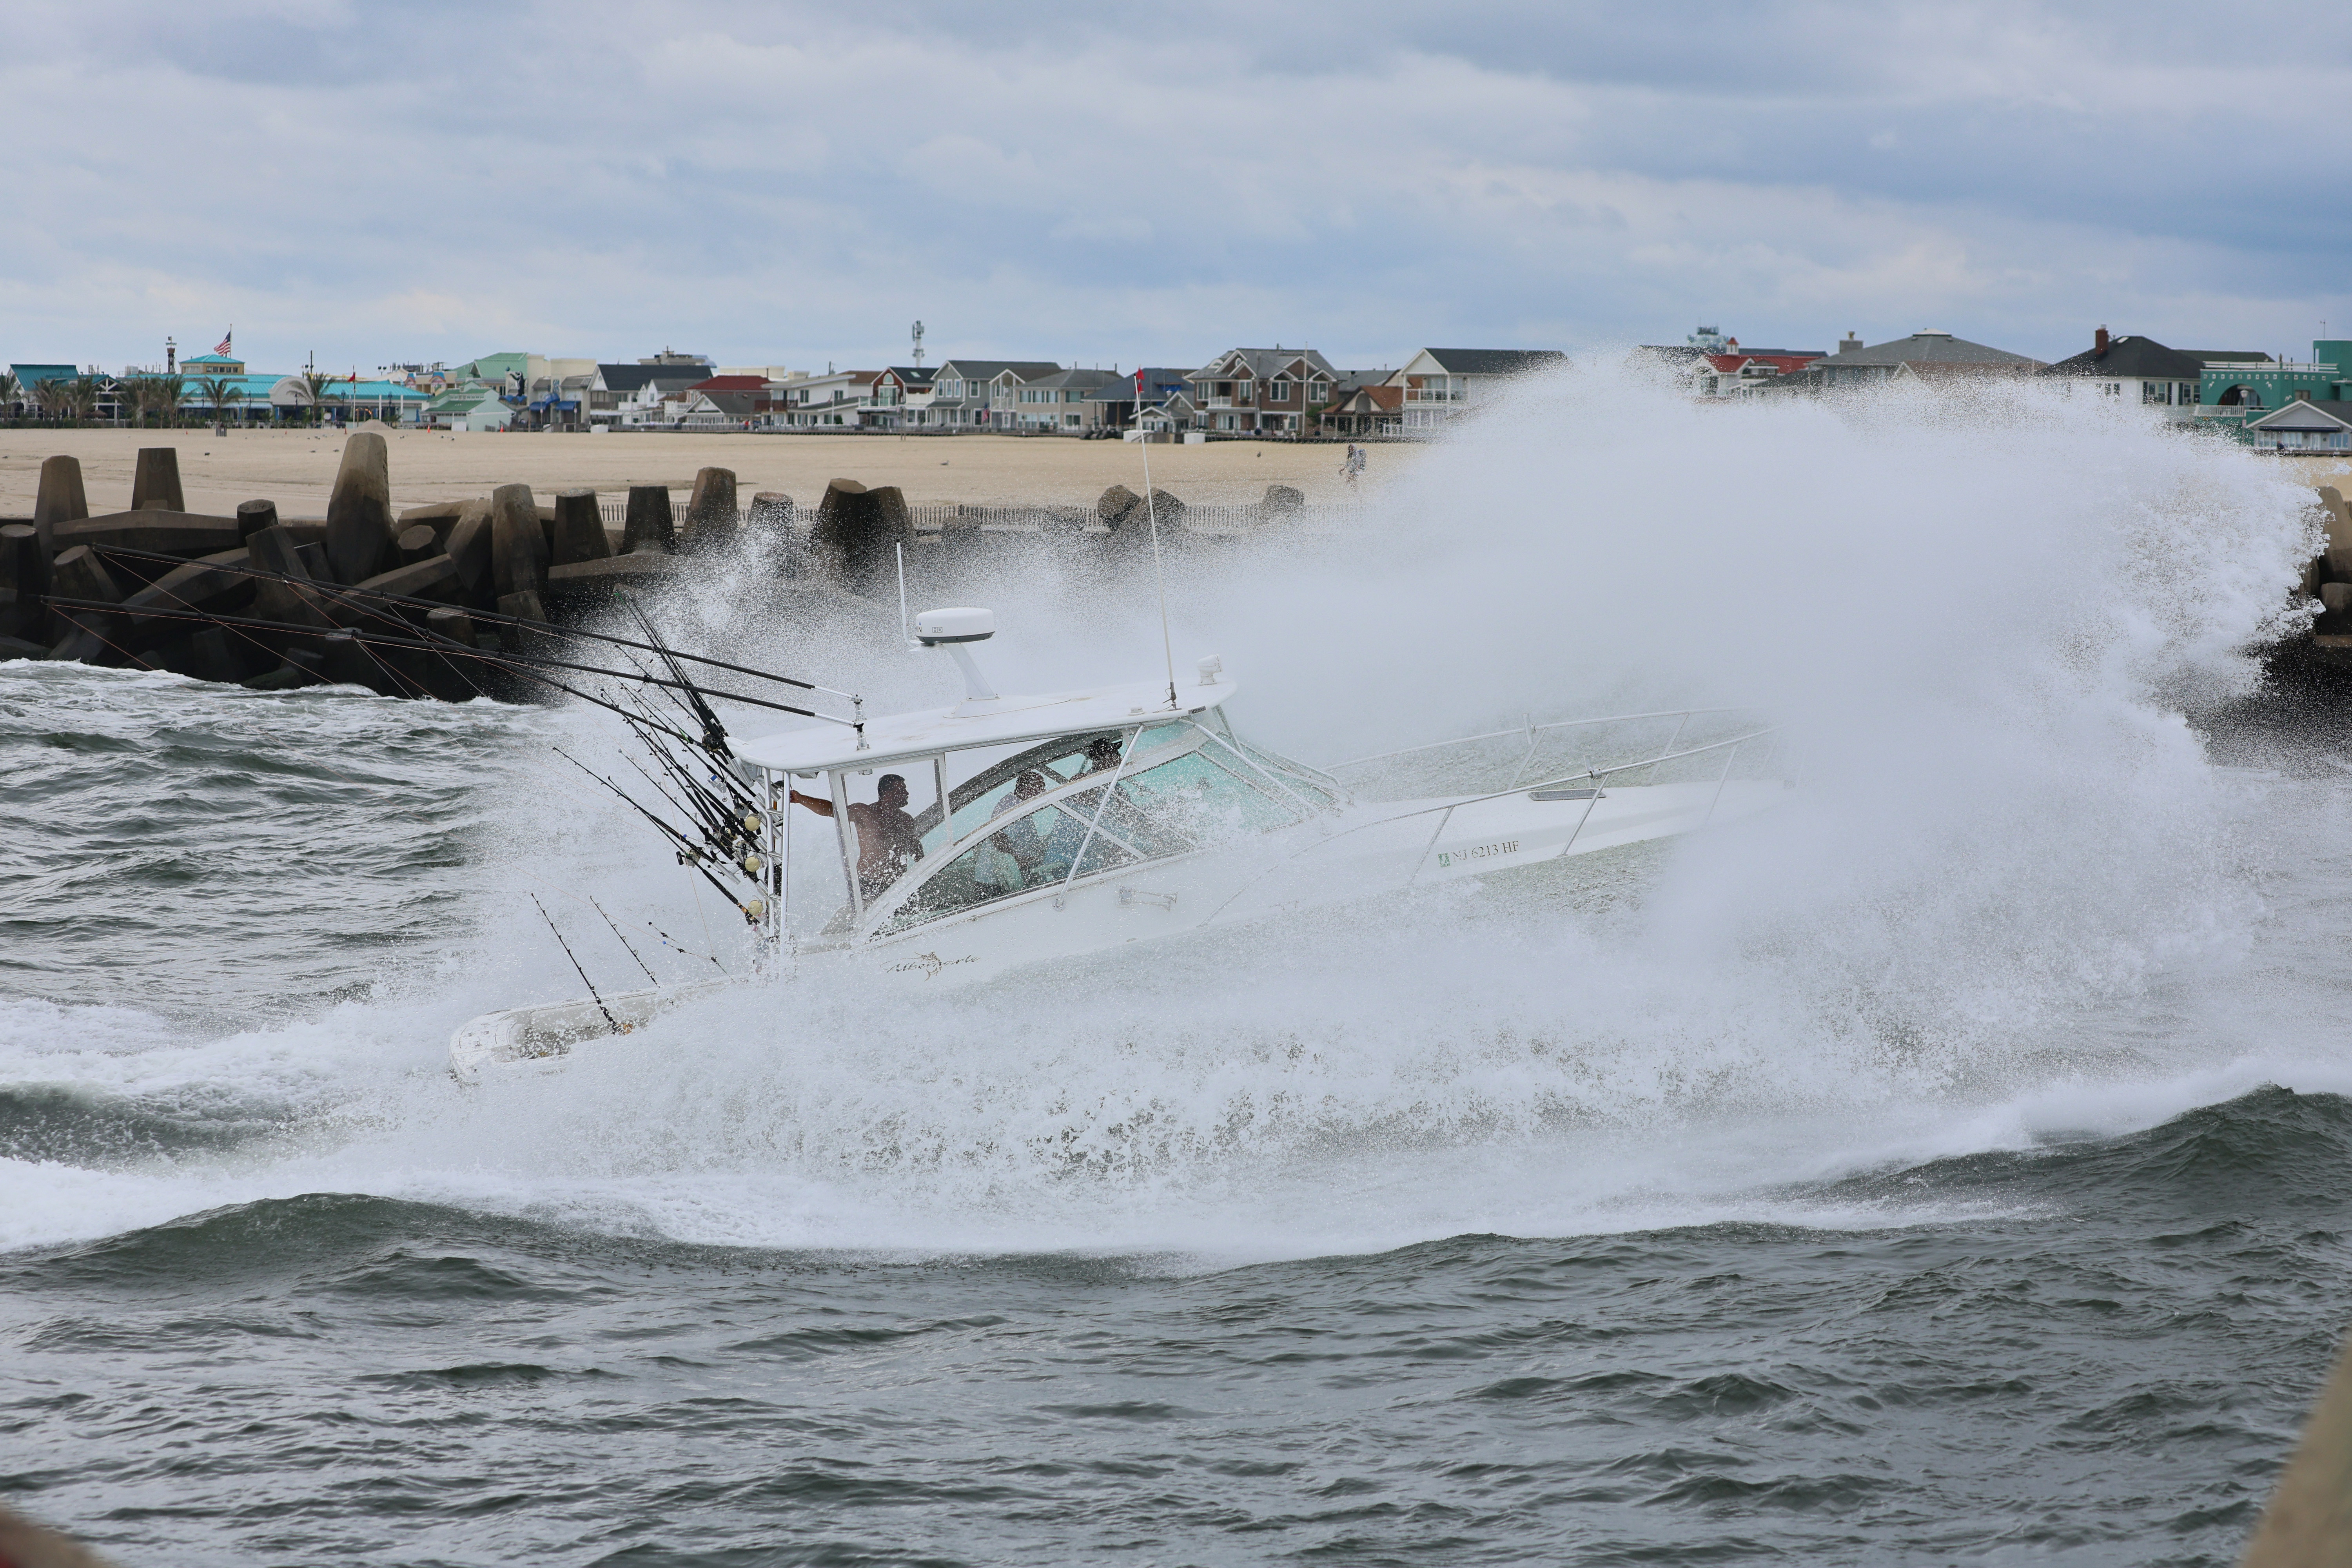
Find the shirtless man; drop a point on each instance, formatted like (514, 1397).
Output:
(887, 840)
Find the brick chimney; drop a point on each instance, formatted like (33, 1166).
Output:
(1849, 344)
(2099, 343)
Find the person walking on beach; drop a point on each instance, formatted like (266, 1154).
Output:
(1352, 465)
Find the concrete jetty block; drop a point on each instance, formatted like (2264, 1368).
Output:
(279, 548)
(579, 529)
(518, 556)
(414, 543)
(345, 660)
(253, 515)
(23, 580)
(78, 574)
(710, 510)
(214, 653)
(452, 622)
(1283, 500)
(287, 677)
(359, 510)
(855, 534)
(434, 577)
(440, 517)
(770, 513)
(212, 585)
(164, 533)
(452, 677)
(649, 525)
(155, 480)
(276, 549)
(1116, 503)
(578, 584)
(60, 498)
(525, 606)
(468, 545)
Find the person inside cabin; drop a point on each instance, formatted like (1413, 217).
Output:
(1015, 855)
(887, 840)
(1102, 755)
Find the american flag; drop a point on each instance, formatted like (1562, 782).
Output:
(224, 347)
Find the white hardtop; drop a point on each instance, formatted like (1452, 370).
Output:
(1002, 721)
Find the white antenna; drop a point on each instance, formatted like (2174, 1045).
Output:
(904, 630)
(1151, 510)
(919, 345)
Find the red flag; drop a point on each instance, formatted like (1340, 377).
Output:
(224, 347)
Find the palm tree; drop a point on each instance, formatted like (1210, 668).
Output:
(53, 395)
(12, 393)
(85, 391)
(315, 384)
(218, 391)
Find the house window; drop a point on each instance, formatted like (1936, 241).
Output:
(1279, 392)
(1070, 418)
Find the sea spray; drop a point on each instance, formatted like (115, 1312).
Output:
(2008, 867)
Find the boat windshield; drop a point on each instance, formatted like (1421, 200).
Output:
(1194, 800)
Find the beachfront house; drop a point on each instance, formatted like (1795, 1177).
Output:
(2304, 424)
(2241, 386)
(902, 398)
(982, 395)
(1930, 357)
(1059, 404)
(1737, 372)
(1261, 392)
(1366, 409)
(474, 408)
(838, 400)
(632, 396)
(1113, 403)
(1441, 385)
(2138, 371)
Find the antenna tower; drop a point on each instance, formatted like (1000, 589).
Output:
(919, 345)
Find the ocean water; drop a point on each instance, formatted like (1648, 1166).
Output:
(1951, 1167)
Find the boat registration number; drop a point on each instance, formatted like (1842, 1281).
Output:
(1477, 852)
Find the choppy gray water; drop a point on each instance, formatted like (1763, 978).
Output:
(1952, 1166)
(258, 1309)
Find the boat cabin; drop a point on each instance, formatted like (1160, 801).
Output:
(951, 811)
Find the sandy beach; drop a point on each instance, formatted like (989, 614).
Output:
(296, 467)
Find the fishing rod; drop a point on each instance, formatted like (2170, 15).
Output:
(489, 616)
(575, 964)
(622, 940)
(444, 646)
(688, 853)
(714, 734)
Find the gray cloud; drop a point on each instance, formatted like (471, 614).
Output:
(794, 184)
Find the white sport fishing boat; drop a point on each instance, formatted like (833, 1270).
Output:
(1028, 829)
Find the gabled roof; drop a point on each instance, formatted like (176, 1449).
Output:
(736, 403)
(2304, 414)
(1260, 364)
(34, 374)
(990, 369)
(2132, 356)
(1081, 379)
(1926, 348)
(914, 377)
(1159, 382)
(1492, 362)
(638, 377)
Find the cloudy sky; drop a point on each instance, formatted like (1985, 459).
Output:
(796, 183)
